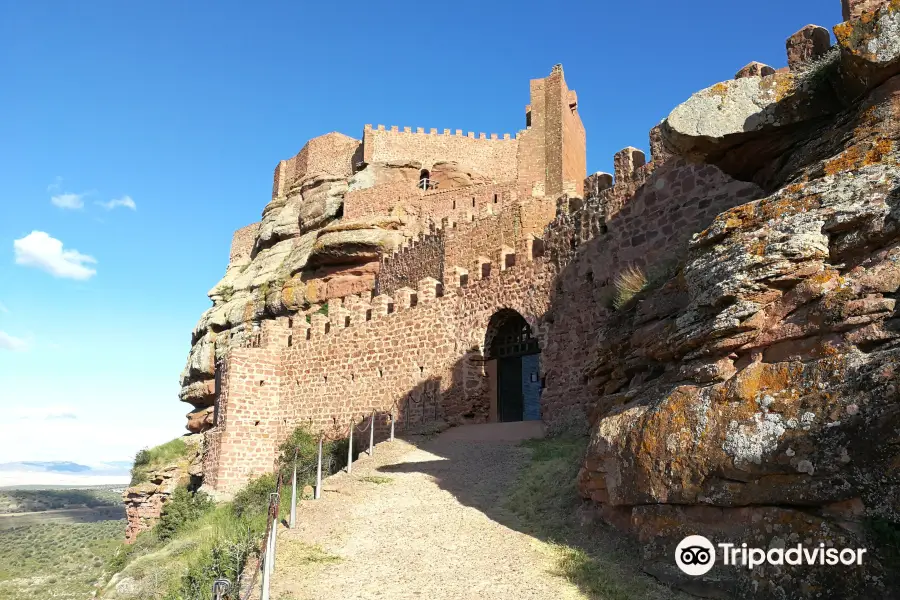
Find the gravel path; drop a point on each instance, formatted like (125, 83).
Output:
(434, 531)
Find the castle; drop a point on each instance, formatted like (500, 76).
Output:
(722, 319)
(449, 327)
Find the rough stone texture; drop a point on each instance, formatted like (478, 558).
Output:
(495, 155)
(340, 205)
(751, 112)
(144, 502)
(870, 48)
(853, 9)
(808, 44)
(747, 392)
(755, 69)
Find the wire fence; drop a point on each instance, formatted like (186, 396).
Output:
(301, 471)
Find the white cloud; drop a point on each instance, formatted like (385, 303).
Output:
(56, 185)
(8, 342)
(38, 249)
(3, 308)
(45, 413)
(125, 201)
(73, 201)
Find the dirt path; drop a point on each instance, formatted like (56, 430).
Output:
(433, 530)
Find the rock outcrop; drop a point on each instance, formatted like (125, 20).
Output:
(301, 254)
(144, 501)
(754, 395)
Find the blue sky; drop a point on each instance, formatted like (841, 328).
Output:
(136, 137)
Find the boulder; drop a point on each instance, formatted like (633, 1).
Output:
(743, 124)
(808, 44)
(870, 48)
(755, 69)
(353, 246)
(200, 420)
(450, 175)
(853, 9)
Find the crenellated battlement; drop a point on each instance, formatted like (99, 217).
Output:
(360, 311)
(444, 132)
(487, 154)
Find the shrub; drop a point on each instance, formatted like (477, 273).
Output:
(151, 458)
(182, 509)
(253, 499)
(629, 282)
(305, 443)
(226, 558)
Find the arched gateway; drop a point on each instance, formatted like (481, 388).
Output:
(513, 363)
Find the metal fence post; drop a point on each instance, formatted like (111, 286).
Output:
(318, 491)
(273, 499)
(350, 449)
(294, 492)
(372, 433)
(267, 559)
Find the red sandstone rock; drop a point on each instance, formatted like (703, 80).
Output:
(807, 44)
(200, 420)
(852, 9)
(755, 69)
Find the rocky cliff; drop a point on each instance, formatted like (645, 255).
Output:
(144, 501)
(299, 255)
(752, 396)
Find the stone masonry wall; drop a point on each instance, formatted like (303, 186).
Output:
(242, 244)
(467, 244)
(494, 155)
(329, 155)
(651, 229)
(417, 354)
(242, 443)
(424, 257)
(456, 204)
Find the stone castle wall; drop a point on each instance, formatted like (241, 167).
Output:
(489, 155)
(242, 443)
(329, 155)
(418, 352)
(422, 258)
(455, 204)
(242, 244)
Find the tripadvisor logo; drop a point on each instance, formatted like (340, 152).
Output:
(696, 555)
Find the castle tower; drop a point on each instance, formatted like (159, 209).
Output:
(551, 154)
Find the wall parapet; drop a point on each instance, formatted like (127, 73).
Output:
(445, 132)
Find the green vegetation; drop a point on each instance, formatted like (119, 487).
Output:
(182, 509)
(334, 456)
(376, 479)
(55, 560)
(196, 542)
(546, 502)
(226, 292)
(150, 459)
(22, 501)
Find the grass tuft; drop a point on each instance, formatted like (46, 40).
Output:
(629, 282)
(376, 479)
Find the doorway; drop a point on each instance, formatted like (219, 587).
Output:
(512, 345)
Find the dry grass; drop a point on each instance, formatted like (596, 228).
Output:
(629, 282)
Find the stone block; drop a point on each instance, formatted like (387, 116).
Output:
(809, 43)
(755, 69)
(852, 9)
